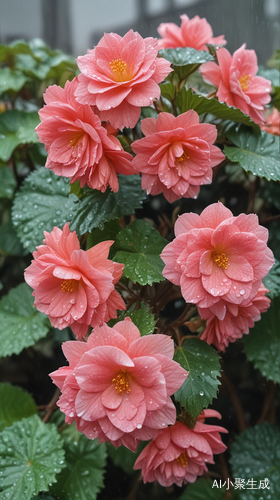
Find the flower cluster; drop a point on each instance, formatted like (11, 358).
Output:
(219, 261)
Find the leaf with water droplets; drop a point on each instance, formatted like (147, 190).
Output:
(8, 182)
(272, 280)
(201, 385)
(143, 318)
(256, 153)
(15, 405)
(31, 455)
(256, 455)
(21, 324)
(16, 127)
(140, 247)
(185, 60)
(262, 345)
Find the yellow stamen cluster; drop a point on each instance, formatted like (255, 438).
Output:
(75, 139)
(121, 383)
(118, 66)
(221, 260)
(68, 285)
(182, 158)
(244, 82)
(182, 459)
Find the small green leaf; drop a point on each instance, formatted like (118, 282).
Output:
(201, 385)
(141, 246)
(31, 456)
(109, 232)
(96, 207)
(143, 318)
(82, 478)
(167, 90)
(10, 244)
(8, 182)
(15, 405)
(41, 203)
(16, 127)
(11, 79)
(262, 345)
(21, 324)
(203, 489)
(272, 280)
(187, 99)
(255, 454)
(255, 153)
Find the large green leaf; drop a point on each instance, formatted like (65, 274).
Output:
(255, 455)
(201, 385)
(41, 203)
(96, 207)
(262, 345)
(256, 153)
(185, 60)
(108, 232)
(11, 79)
(140, 246)
(31, 456)
(8, 182)
(187, 99)
(15, 405)
(272, 280)
(82, 478)
(16, 127)
(21, 324)
(10, 244)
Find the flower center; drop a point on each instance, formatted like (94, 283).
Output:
(182, 158)
(76, 138)
(221, 260)
(68, 285)
(244, 82)
(182, 459)
(118, 66)
(121, 383)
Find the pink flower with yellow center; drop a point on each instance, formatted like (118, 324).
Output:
(120, 75)
(73, 287)
(177, 155)
(217, 256)
(237, 83)
(118, 384)
(179, 454)
(195, 33)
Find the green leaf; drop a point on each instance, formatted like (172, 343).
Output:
(255, 454)
(203, 489)
(109, 232)
(167, 90)
(11, 80)
(16, 127)
(96, 207)
(143, 318)
(9, 241)
(201, 385)
(31, 456)
(8, 182)
(140, 246)
(185, 60)
(187, 99)
(272, 280)
(82, 478)
(258, 154)
(15, 405)
(44, 496)
(21, 324)
(41, 203)
(262, 345)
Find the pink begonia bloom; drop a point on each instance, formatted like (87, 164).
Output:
(74, 287)
(195, 33)
(118, 384)
(232, 320)
(179, 454)
(236, 81)
(120, 75)
(272, 123)
(77, 144)
(217, 256)
(177, 155)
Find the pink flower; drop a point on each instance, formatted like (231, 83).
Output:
(177, 155)
(179, 454)
(73, 287)
(272, 123)
(227, 322)
(217, 256)
(193, 33)
(236, 81)
(77, 144)
(120, 75)
(118, 384)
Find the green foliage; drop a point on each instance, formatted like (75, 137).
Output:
(140, 245)
(270, 193)
(123, 457)
(16, 127)
(167, 90)
(96, 208)
(12, 79)
(255, 153)
(108, 232)
(41, 203)
(262, 345)
(270, 74)
(185, 60)
(7, 182)
(203, 489)
(272, 280)
(21, 324)
(201, 385)
(31, 456)
(15, 405)
(9, 241)
(143, 318)
(255, 454)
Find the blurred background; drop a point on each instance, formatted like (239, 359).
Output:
(74, 26)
